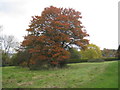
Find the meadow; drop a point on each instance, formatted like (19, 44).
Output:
(78, 75)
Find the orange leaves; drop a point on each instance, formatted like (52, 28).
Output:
(29, 40)
(60, 37)
(30, 29)
(56, 55)
(64, 57)
(60, 53)
(62, 18)
(42, 57)
(49, 35)
(26, 42)
(51, 11)
(41, 38)
(55, 23)
(78, 43)
(34, 50)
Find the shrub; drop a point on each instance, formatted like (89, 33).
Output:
(110, 58)
(14, 60)
(5, 59)
(20, 58)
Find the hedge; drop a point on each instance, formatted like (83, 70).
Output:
(92, 60)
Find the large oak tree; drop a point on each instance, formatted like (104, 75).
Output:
(52, 34)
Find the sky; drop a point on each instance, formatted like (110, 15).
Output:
(100, 18)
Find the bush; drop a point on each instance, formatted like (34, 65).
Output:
(5, 59)
(14, 60)
(110, 58)
(20, 58)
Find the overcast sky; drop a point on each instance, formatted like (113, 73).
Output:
(100, 17)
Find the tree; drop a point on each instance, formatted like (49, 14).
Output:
(92, 52)
(52, 34)
(21, 58)
(74, 54)
(9, 43)
(108, 53)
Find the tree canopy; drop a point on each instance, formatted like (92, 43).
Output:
(92, 52)
(52, 34)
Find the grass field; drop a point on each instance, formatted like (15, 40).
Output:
(80, 75)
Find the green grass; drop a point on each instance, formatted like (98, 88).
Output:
(80, 75)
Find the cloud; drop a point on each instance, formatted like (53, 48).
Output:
(99, 17)
(12, 7)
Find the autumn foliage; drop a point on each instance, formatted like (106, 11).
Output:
(51, 35)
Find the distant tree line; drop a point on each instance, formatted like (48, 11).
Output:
(8, 45)
(118, 52)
